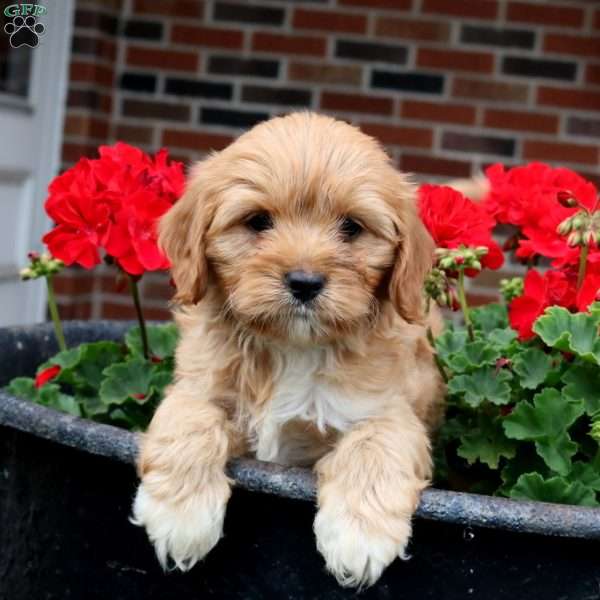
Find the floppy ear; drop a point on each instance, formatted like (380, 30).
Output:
(414, 259)
(182, 237)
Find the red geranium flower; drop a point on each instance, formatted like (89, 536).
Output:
(46, 375)
(454, 220)
(112, 204)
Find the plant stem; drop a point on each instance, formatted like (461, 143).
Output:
(436, 357)
(583, 255)
(58, 330)
(140, 315)
(462, 300)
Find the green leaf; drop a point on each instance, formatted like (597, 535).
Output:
(483, 384)
(95, 357)
(583, 383)
(51, 396)
(486, 442)
(489, 317)
(23, 387)
(502, 337)
(532, 486)
(546, 424)
(532, 366)
(473, 356)
(162, 340)
(127, 380)
(450, 342)
(575, 333)
(586, 473)
(66, 359)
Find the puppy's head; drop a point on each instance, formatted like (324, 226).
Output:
(303, 227)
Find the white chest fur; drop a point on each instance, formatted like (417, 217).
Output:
(302, 394)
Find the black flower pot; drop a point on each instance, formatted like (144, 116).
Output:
(66, 486)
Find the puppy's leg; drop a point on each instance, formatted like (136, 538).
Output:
(368, 489)
(184, 491)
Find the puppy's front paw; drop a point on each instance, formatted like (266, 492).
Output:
(355, 552)
(186, 531)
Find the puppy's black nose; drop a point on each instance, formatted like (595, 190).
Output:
(304, 286)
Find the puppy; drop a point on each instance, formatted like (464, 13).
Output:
(299, 262)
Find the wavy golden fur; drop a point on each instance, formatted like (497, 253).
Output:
(347, 384)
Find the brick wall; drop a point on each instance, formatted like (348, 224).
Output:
(447, 85)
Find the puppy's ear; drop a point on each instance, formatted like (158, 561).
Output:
(414, 259)
(182, 237)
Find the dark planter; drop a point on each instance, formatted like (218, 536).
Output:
(66, 487)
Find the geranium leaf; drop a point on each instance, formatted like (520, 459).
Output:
(125, 381)
(587, 474)
(95, 357)
(532, 366)
(162, 340)
(576, 333)
(51, 396)
(450, 342)
(532, 486)
(502, 337)
(583, 383)
(489, 317)
(486, 442)
(473, 356)
(23, 387)
(546, 423)
(66, 359)
(483, 384)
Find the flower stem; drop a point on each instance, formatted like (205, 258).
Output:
(436, 356)
(133, 287)
(462, 300)
(58, 330)
(583, 256)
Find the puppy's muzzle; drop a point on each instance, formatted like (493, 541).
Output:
(304, 286)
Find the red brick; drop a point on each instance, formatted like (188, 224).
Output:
(195, 140)
(207, 36)
(78, 310)
(597, 19)
(329, 21)
(72, 282)
(162, 59)
(545, 14)
(399, 136)
(412, 29)
(86, 126)
(115, 284)
(475, 299)
(91, 72)
(573, 44)
(389, 4)
(356, 103)
(569, 98)
(592, 74)
(325, 73)
(112, 310)
(521, 121)
(480, 9)
(561, 152)
(477, 62)
(490, 90)
(442, 113)
(133, 134)
(289, 44)
(181, 8)
(414, 163)
(72, 152)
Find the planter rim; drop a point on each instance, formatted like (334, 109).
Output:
(293, 482)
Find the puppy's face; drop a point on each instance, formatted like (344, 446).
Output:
(304, 228)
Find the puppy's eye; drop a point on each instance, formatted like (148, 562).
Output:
(350, 228)
(260, 222)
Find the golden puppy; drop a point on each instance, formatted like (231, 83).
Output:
(299, 260)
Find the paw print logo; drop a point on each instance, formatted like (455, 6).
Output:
(24, 31)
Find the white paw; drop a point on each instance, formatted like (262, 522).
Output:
(187, 531)
(353, 554)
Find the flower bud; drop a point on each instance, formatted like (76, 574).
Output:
(575, 239)
(589, 238)
(565, 227)
(566, 199)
